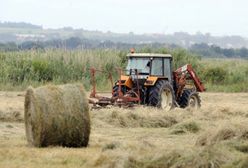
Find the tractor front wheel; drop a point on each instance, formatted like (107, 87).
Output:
(162, 95)
(191, 99)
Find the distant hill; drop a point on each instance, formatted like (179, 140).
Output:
(21, 32)
(21, 25)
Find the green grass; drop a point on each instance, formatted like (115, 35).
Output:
(23, 68)
(38, 67)
(225, 75)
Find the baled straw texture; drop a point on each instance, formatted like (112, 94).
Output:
(57, 115)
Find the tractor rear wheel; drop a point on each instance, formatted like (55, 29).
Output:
(190, 98)
(162, 95)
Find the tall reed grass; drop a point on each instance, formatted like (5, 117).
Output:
(38, 67)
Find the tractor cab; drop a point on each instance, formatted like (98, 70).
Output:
(148, 64)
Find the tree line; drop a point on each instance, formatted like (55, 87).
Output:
(72, 43)
(216, 51)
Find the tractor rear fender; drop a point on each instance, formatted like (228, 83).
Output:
(151, 80)
(126, 81)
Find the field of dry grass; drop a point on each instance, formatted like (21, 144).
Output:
(214, 136)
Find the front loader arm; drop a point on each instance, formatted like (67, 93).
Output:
(188, 69)
(180, 76)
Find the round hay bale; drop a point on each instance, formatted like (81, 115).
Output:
(57, 115)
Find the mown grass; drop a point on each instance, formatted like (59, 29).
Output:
(214, 136)
(38, 67)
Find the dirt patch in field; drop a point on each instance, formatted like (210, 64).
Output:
(11, 116)
(12, 106)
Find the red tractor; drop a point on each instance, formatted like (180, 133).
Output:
(149, 80)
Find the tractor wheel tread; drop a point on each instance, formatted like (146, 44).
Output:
(154, 98)
(184, 99)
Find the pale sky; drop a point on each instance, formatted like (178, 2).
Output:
(219, 17)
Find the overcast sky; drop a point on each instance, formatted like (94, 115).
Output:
(219, 17)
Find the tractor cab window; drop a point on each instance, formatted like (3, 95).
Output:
(167, 68)
(157, 66)
(141, 64)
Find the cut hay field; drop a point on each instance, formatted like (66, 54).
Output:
(212, 137)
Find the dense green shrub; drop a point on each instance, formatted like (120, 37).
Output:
(42, 70)
(182, 57)
(215, 75)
